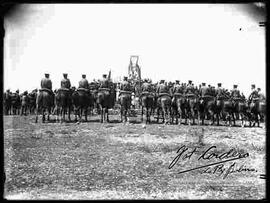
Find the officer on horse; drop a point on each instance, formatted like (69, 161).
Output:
(83, 83)
(254, 93)
(65, 82)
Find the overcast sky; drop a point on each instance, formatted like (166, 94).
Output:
(199, 42)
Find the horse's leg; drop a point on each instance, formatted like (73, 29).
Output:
(43, 114)
(142, 114)
(158, 115)
(49, 111)
(37, 113)
(86, 114)
(101, 113)
(107, 114)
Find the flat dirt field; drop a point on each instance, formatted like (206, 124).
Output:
(131, 161)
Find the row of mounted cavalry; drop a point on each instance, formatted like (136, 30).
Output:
(170, 108)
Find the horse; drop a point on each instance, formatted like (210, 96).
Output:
(63, 103)
(7, 103)
(164, 103)
(125, 102)
(81, 100)
(147, 103)
(257, 110)
(179, 108)
(105, 100)
(24, 104)
(207, 106)
(44, 102)
(193, 107)
(15, 103)
(240, 109)
(228, 111)
(32, 101)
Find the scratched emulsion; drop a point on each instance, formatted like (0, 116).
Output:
(117, 161)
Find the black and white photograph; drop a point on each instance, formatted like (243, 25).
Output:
(134, 101)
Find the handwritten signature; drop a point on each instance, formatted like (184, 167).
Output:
(185, 153)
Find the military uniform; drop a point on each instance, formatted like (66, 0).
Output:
(162, 88)
(235, 93)
(46, 83)
(65, 83)
(104, 83)
(125, 86)
(190, 88)
(204, 90)
(146, 87)
(84, 83)
(253, 94)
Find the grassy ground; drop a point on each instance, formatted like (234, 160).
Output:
(117, 161)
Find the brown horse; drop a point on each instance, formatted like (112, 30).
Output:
(81, 100)
(164, 103)
(228, 111)
(125, 102)
(24, 104)
(193, 107)
(63, 103)
(105, 100)
(207, 105)
(179, 108)
(257, 109)
(44, 102)
(147, 103)
(240, 109)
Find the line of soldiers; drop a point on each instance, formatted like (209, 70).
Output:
(161, 88)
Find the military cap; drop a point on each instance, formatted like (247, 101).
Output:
(162, 81)
(177, 81)
(219, 84)
(203, 83)
(235, 86)
(83, 75)
(190, 81)
(47, 74)
(253, 85)
(104, 75)
(65, 74)
(125, 77)
(258, 88)
(17, 91)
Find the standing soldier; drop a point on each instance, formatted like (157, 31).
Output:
(235, 93)
(104, 83)
(84, 82)
(46, 83)
(253, 94)
(65, 82)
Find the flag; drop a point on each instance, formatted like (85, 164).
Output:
(109, 76)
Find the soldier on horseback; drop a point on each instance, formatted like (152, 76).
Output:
(104, 83)
(190, 88)
(46, 83)
(254, 93)
(162, 88)
(261, 95)
(83, 83)
(65, 82)
(235, 93)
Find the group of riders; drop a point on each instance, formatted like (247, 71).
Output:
(174, 100)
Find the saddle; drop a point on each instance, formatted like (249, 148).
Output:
(103, 89)
(146, 93)
(163, 94)
(83, 89)
(124, 92)
(178, 94)
(63, 89)
(46, 90)
(190, 96)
